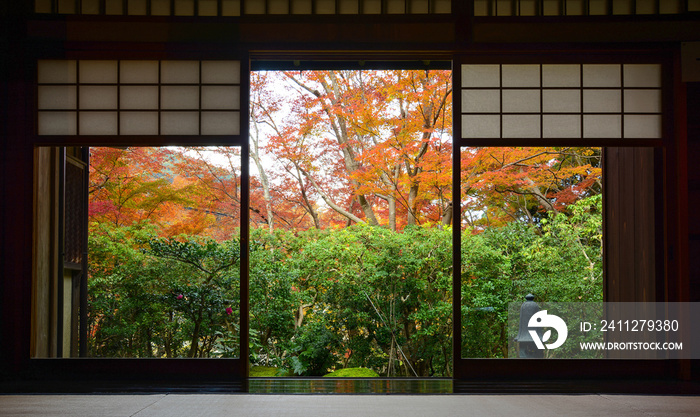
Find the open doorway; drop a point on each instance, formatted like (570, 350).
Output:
(351, 217)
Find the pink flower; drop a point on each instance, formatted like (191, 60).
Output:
(229, 310)
(180, 297)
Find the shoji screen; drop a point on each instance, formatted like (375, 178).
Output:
(561, 101)
(113, 97)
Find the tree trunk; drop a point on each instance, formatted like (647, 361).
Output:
(392, 213)
(447, 215)
(415, 184)
(255, 154)
(194, 346)
(339, 127)
(330, 202)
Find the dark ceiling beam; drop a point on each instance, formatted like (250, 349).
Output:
(366, 34)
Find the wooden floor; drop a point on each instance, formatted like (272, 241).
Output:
(251, 405)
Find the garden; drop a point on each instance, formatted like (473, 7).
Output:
(351, 234)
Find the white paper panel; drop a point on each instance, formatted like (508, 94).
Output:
(98, 123)
(602, 101)
(221, 123)
(642, 75)
(207, 8)
(114, 7)
(42, 6)
(57, 123)
(138, 123)
(646, 6)
(670, 6)
(60, 97)
(480, 126)
(231, 8)
(277, 7)
(481, 101)
(694, 5)
(521, 101)
(601, 75)
(220, 97)
(349, 7)
(254, 7)
(561, 101)
(221, 72)
(66, 6)
(504, 8)
(136, 7)
(179, 123)
(184, 7)
(98, 97)
(643, 126)
(521, 126)
(481, 8)
(602, 126)
(521, 75)
(396, 6)
(561, 126)
(551, 8)
(139, 97)
(325, 6)
(442, 6)
(419, 6)
(102, 72)
(481, 76)
(623, 6)
(179, 97)
(561, 75)
(90, 6)
(371, 6)
(160, 7)
(179, 72)
(138, 72)
(63, 72)
(642, 101)
(597, 7)
(528, 8)
(574, 7)
(301, 6)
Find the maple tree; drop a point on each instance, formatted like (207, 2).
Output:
(178, 190)
(374, 146)
(291, 200)
(133, 185)
(261, 106)
(501, 185)
(213, 174)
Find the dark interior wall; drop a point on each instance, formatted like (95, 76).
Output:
(16, 182)
(693, 115)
